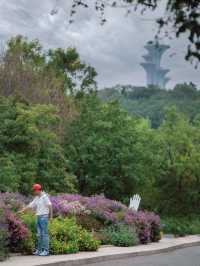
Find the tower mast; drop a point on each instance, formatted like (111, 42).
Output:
(156, 75)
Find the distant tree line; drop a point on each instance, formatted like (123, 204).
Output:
(151, 102)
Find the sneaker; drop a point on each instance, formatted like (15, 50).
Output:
(36, 253)
(44, 253)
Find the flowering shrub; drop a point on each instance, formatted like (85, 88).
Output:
(65, 207)
(91, 213)
(147, 223)
(19, 235)
(98, 206)
(155, 223)
(108, 212)
(13, 201)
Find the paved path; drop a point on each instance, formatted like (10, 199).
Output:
(107, 254)
(182, 257)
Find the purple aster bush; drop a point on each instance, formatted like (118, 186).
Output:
(140, 221)
(93, 213)
(67, 204)
(19, 237)
(104, 209)
(147, 224)
(98, 206)
(155, 223)
(18, 232)
(108, 212)
(14, 201)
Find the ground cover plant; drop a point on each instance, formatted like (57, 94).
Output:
(121, 235)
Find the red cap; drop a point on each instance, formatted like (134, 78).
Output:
(37, 187)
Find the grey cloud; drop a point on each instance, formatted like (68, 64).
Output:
(114, 49)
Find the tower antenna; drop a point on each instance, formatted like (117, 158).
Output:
(156, 75)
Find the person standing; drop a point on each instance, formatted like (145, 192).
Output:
(42, 206)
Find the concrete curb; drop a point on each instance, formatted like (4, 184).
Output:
(102, 258)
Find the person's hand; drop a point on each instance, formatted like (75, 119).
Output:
(21, 211)
(25, 208)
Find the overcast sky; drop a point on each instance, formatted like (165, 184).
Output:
(115, 49)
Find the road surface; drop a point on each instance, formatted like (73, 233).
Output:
(182, 257)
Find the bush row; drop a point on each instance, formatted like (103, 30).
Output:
(97, 212)
(79, 224)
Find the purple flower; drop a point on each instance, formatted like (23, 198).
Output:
(146, 223)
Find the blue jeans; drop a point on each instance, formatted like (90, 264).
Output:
(42, 233)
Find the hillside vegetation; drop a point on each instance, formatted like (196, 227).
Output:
(152, 102)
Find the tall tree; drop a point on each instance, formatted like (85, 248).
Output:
(78, 76)
(179, 163)
(29, 73)
(29, 146)
(104, 149)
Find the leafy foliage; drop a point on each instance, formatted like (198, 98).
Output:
(29, 219)
(121, 235)
(181, 226)
(172, 178)
(68, 237)
(38, 77)
(104, 151)
(29, 147)
(87, 241)
(152, 102)
(4, 236)
(179, 163)
(78, 77)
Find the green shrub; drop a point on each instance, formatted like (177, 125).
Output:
(102, 236)
(29, 219)
(176, 227)
(60, 247)
(121, 235)
(68, 237)
(3, 246)
(65, 235)
(195, 226)
(3, 237)
(28, 245)
(87, 242)
(89, 222)
(181, 226)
